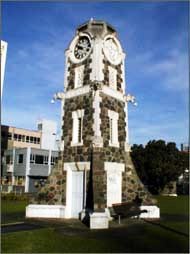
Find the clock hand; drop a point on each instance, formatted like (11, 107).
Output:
(79, 46)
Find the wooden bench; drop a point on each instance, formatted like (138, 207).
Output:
(125, 210)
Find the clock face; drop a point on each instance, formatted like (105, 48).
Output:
(112, 51)
(82, 48)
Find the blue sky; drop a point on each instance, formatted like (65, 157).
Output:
(153, 34)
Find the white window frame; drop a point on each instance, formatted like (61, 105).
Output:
(45, 160)
(112, 77)
(113, 120)
(32, 158)
(76, 115)
(79, 76)
(53, 160)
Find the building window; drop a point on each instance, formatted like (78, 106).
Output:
(77, 127)
(39, 159)
(20, 159)
(27, 139)
(80, 130)
(79, 76)
(112, 77)
(10, 136)
(9, 159)
(111, 130)
(53, 160)
(40, 127)
(23, 138)
(45, 160)
(31, 139)
(113, 122)
(15, 137)
(32, 158)
(38, 140)
(19, 137)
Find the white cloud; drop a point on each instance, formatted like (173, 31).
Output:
(171, 70)
(172, 130)
(27, 117)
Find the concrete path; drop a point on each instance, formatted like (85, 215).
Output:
(19, 226)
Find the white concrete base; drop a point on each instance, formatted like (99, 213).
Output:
(170, 195)
(82, 214)
(107, 212)
(45, 211)
(153, 212)
(99, 221)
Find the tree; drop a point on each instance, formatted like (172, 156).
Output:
(158, 163)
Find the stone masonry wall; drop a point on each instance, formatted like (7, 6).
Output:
(99, 180)
(71, 70)
(107, 153)
(78, 153)
(54, 191)
(112, 154)
(106, 74)
(132, 185)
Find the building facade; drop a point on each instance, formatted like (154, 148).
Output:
(44, 137)
(27, 156)
(26, 169)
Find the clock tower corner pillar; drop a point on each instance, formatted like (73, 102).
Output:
(97, 64)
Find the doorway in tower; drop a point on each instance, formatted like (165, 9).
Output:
(78, 193)
(114, 182)
(76, 188)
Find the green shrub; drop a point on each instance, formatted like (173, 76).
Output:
(12, 196)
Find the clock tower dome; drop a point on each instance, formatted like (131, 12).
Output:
(95, 170)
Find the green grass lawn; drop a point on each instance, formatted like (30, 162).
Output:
(12, 211)
(168, 235)
(175, 212)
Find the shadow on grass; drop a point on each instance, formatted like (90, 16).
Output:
(19, 227)
(175, 217)
(12, 217)
(166, 227)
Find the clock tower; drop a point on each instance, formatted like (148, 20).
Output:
(95, 170)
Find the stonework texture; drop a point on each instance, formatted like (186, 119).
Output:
(132, 185)
(71, 70)
(112, 154)
(54, 191)
(106, 74)
(78, 153)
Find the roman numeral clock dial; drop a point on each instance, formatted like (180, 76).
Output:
(112, 50)
(82, 48)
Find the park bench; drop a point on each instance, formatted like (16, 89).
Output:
(125, 210)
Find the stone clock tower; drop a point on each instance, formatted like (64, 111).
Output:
(94, 170)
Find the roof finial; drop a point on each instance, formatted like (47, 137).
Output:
(91, 19)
